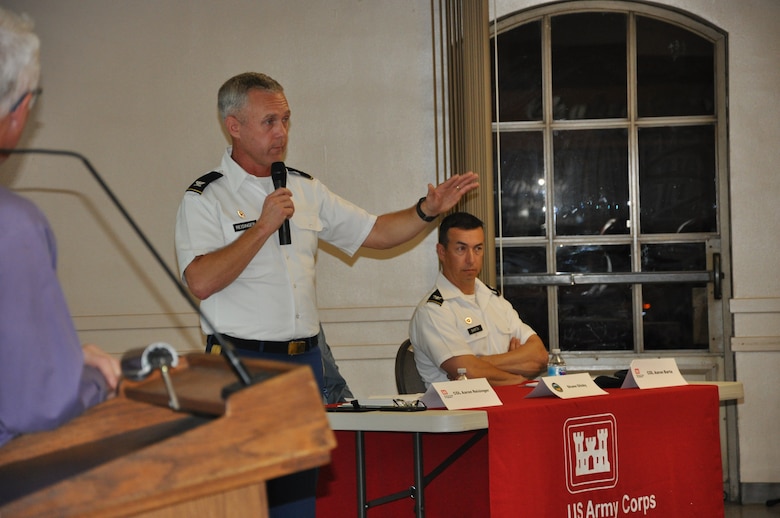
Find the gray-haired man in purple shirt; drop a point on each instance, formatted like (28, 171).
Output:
(46, 376)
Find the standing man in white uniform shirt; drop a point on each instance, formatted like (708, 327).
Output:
(258, 293)
(463, 323)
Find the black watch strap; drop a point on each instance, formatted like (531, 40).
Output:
(423, 216)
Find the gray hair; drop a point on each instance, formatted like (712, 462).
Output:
(232, 95)
(20, 67)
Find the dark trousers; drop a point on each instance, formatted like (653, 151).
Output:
(291, 496)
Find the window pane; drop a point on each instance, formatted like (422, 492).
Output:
(675, 316)
(530, 302)
(593, 259)
(519, 74)
(675, 71)
(522, 184)
(589, 66)
(591, 182)
(595, 318)
(677, 257)
(517, 261)
(677, 179)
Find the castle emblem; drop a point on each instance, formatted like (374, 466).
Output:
(591, 459)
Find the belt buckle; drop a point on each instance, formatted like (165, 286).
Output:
(296, 347)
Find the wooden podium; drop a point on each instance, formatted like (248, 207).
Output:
(134, 456)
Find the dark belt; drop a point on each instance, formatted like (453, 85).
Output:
(291, 348)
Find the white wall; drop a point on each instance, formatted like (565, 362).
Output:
(754, 74)
(132, 84)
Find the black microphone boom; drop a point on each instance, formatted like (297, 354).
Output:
(279, 177)
(230, 353)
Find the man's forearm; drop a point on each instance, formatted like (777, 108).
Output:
(479, 368)
(528, 360)
(209, 273)
(394, 229)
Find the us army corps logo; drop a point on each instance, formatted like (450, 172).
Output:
(590, 452)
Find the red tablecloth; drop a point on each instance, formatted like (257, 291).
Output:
(631, 453)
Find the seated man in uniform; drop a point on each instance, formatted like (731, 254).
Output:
(463, 323)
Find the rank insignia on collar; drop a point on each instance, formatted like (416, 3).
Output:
(436, 298)
(199, 185)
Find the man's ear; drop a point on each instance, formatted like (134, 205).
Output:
(440, 251)
(13, 124)
(232, 125)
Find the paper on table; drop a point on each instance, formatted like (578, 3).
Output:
(653, 373)
(566, 387)
(459, 395)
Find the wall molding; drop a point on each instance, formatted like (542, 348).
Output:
(755, 305)
(106, 325)
(758, 316)
(755, 344)
(366, 314)
(366, 318)
(187, 320)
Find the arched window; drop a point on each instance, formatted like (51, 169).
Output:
(609, 153)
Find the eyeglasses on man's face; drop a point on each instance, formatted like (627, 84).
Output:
(34, 93)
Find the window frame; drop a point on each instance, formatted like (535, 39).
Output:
(717, 283)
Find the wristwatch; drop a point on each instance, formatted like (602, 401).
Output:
(423, 216)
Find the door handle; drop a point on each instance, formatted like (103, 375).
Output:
(717, 277)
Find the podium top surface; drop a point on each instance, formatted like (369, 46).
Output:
(144, 456)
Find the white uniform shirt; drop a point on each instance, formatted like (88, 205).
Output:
(274, 298)
(448, 323)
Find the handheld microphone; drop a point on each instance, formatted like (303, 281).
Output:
(227, 348)
(279, 177)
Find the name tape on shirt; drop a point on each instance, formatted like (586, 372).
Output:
(244, 225)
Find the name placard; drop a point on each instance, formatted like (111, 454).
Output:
(567, 387)
(462, 394)
(653, 373)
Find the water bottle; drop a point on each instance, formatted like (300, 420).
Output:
(461, 374)
(556, 366)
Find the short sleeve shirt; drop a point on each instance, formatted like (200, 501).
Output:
(274, 298)
(448, 323)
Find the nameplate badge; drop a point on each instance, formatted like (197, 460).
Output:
(567, 387)
(653, 373)
(461, 394)
(244, 225)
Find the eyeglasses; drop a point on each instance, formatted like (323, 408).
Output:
(34, 93)
(407, 403)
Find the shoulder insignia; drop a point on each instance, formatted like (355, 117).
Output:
(436, 298)
(496, 291)
(199, 185)
(300, 173)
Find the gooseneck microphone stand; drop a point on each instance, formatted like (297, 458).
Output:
(228, 350)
